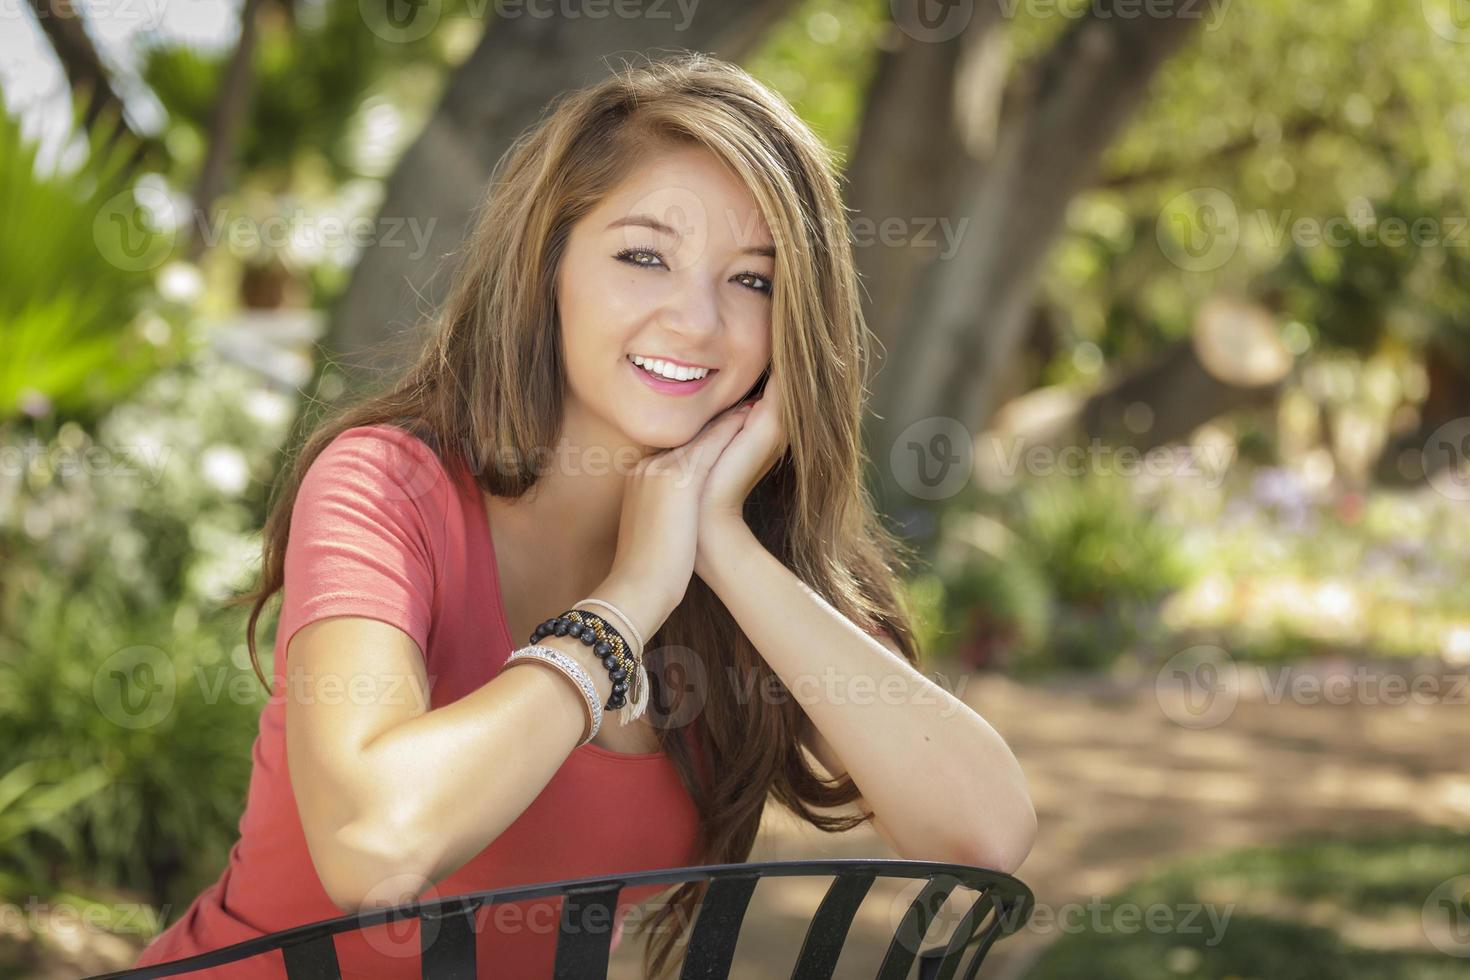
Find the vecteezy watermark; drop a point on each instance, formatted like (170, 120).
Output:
(144, 461)
(42, 918)
(1450, 19)
(136, 229)
(1201, 229)
(138, 686)
(1446, 458)
(680, 687)
(573, 460)
(932, 21)
(1212, 12)
(313, 232)
(1094, 914)
(1098, 916)
(909, 232)
(834, 686)
(405, 21)
(1201, 686)
(1445, 916)
(937, 21)
(933, 458)
(1206, 463)
(148, 14)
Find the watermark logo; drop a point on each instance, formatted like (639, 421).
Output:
(1198, 687)
(1199, 230)
(1446, 458)
(1446, 916)
(133, 229)
(933, 458)
(401, 21)
(135, 687)
(1450, 19)
(932, 21)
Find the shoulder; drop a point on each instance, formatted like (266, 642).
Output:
(388, 461)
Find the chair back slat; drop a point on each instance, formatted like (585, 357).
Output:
(827, 934)
(315, 959)
(584, 937)
(448, 926)
(921, 912)
(717, 928)
(941, 964)
(993, 930)
(447, 943)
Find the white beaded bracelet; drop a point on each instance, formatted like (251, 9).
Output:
(573, 671)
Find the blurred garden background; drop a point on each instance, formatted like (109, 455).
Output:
(1172, 394)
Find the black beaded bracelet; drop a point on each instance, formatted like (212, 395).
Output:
(605, 641)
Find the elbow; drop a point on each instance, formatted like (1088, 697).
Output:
(368, 866)
(1003, 849)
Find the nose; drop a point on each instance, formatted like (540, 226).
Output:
(691, 312)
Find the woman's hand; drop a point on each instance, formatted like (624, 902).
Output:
(659, 525)
(749, 456)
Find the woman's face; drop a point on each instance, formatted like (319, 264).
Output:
(674, 265)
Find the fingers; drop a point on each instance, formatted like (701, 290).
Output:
(698, 455)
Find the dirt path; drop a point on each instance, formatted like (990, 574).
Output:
(1120, 788)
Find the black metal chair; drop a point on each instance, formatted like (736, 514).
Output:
(1002, 906)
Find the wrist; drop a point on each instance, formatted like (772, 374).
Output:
(647, 608)
(723, 546)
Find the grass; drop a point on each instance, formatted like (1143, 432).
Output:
(1344, 909)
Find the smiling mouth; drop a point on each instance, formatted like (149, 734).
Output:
(676, 374)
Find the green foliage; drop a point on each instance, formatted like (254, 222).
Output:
(1305, 909)
(311, 78)
(1096, 543)
(820, 58)
(1346, 120)
(70, 303)
(127, 701)
(1074, 579)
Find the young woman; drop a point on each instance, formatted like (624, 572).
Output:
(642, 401)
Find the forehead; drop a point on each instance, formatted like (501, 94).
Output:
(689, 189)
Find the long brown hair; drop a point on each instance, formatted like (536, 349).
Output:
(490, 381)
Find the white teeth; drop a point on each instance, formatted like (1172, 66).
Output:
(671, 372)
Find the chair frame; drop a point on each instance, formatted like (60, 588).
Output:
(1003, 906)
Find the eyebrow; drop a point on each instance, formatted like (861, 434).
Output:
(649, 221)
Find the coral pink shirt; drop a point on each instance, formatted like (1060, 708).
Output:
(380, 529)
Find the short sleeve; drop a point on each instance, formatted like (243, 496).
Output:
(362, 532)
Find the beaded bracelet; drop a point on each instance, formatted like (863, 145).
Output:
(573, 671)
(621, 615)
(611, 648)
(640, 675)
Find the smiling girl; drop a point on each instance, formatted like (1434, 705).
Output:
(639, 417)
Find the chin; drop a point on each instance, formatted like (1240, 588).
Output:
(661, 435)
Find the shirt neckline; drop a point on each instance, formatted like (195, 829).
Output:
(482, 520)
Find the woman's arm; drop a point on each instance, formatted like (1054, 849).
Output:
(941, 780)
(394, 797)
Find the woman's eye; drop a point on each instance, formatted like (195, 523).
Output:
(650, 258)
(764, 283)
(631, 256)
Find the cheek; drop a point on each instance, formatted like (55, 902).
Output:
(750, 329)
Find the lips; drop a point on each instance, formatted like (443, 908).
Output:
(664, 386)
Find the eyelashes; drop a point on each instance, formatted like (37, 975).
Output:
(628, 255)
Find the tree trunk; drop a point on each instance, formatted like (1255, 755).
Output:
(231, 108)
(970, 312)
(86, 75)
